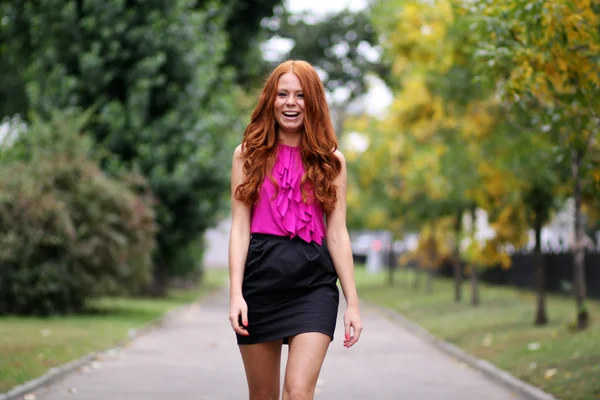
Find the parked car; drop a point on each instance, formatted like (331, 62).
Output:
(372, 248)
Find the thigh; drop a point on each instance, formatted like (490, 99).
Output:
(262, 365)
(306, 354)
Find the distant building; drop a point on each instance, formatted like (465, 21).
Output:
(557, 236)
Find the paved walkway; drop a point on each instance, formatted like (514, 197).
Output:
(194, 356)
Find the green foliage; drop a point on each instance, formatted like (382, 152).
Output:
(153, 71)
(12, 89)
(243, 26)
(341, 45)
(344, 48)
(69, 232)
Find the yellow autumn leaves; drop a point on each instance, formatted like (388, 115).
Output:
(453, 138)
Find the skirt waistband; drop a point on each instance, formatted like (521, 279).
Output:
(269, 236)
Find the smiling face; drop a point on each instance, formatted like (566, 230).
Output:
(289, 104)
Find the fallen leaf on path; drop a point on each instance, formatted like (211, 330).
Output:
(533, 346)
(488, 340)
(533, 365)
(550, 373)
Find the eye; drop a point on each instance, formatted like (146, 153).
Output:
(301, 95)
(281, 94)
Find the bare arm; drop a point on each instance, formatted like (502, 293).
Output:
(338, 242)
(239, 240)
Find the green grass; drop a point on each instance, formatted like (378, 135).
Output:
(29, 346)
(506, 317)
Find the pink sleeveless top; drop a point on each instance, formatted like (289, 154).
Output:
(283, 212)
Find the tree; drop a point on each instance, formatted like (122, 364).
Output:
(547, 50)
(245, 32)
(431, 71)
(68, 232)
(532, 156)
(449, 118)
(153, 71)
(13, 98)
(342, 45)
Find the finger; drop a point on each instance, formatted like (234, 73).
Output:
(354, 338)
(237, 328)
(347, 331)
(348, 335)
(245, 317)
(240, 323)
(240, 331)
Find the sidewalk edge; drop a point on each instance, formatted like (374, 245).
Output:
(56, 373)
(499, 375)
(49, 377)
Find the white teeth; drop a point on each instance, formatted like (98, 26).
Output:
(291, 114)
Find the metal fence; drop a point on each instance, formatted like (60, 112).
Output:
(559, 273)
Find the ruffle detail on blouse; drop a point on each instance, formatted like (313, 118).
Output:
(297, 217)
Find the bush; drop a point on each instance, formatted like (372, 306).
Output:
(68, 232)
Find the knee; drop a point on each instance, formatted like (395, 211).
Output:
(298, 392)
(264, 394)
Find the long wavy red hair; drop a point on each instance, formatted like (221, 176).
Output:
(318, 142)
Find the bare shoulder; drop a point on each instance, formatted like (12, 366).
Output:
(340, 156)
(341, 177)
(238, 151)
(238, 154)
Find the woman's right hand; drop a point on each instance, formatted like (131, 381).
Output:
(237, 309)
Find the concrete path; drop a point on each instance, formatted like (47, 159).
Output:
(194, 356)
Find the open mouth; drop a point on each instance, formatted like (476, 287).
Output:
(291, 114)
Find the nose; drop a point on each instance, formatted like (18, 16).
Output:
(291, 100)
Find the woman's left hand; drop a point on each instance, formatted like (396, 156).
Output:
(352, 326)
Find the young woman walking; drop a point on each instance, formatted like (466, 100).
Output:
(289, 243)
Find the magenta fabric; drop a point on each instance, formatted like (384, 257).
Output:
(283, 212)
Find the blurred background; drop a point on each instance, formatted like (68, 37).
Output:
(470, 130)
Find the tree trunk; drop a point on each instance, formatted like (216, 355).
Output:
(475, 300)
(429, 284)
(391, 267)
(579, 253)
(432, 254)
(474, 278)
(456, 265)
(158, 286)
(417, 278)
(540, 272)
(339, 118)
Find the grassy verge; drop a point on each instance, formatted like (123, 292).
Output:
(29, 346)
(501, 330)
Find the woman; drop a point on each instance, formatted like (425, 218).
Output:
(284, 260)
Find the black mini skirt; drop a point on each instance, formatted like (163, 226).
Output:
(290, 287)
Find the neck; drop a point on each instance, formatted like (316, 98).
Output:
(289, 138)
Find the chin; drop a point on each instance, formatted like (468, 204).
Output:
(292, 129)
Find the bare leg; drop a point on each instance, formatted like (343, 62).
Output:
(262, 362)
(306, 355)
